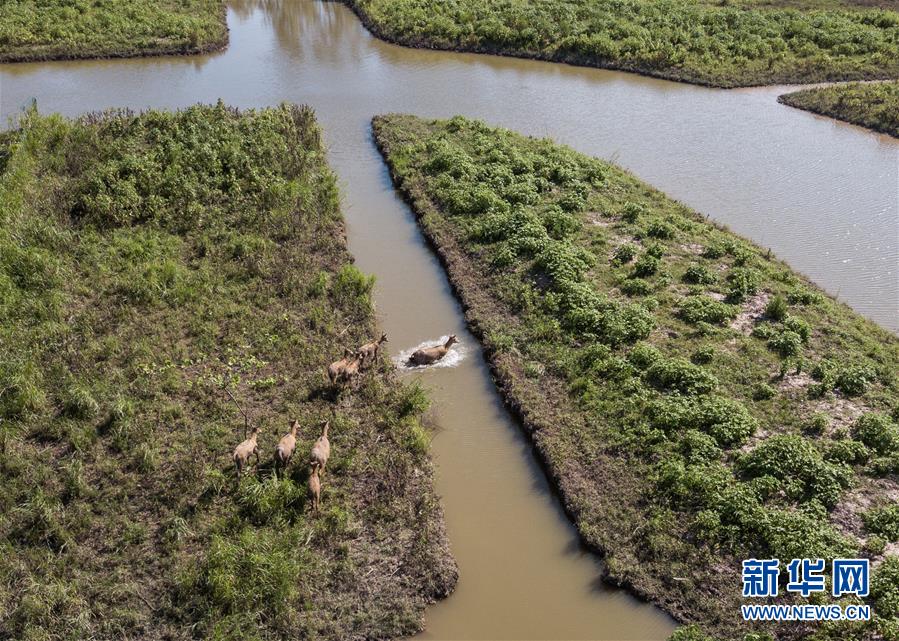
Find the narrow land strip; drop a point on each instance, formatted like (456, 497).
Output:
(695, 401)
(153, 266)
(873, 105)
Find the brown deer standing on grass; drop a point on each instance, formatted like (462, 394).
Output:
(286, 446)
(245, 450)
(315, 488)
(321, 451)
(351, 371)
(430, 355)
(369, 351)
(335, 369)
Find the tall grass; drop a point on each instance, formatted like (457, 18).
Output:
(148, 262)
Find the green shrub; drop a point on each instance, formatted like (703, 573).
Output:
(724, 419)
(660, 229)
(624, 254)
(706, 527)
(413, 400)
(875, 545)
(681, 375)
(800, 327)
(352, 288)
(801, 533)
(644, 355)
(763, 392)
(646, 265)
(698, 447)
(847, 451)
(883, 465)
(632, 211)
(817, 424)
(854, 380)
(877, 432)
(586, 310)
(690, 633)
(562, 261)
(804, 297)
(741, 283)
(742, 254)
(692, 485)
(636, 287)
(715, 250)
(794, 459)
(699, 275)
(885, 588)
(573, 202)
(703, 355)
(705, 309)
(825, 371)
(883, 521)
(776, 309)
(786, 343)
(656, 250)
(558, 223)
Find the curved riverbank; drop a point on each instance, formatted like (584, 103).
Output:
(658, 64)
(119, 29)
(874, 106)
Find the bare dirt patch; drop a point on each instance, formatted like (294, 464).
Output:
(753, 311)
(792, 382)
(842, 411)
(693, 248)
(847, 515)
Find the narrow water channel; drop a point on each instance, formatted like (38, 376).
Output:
(823, 195)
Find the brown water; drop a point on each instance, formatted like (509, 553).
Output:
(823, 195)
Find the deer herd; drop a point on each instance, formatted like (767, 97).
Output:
(340, 373)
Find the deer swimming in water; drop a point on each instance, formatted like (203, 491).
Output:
(430, 355)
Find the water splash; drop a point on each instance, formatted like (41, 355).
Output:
(455, 355)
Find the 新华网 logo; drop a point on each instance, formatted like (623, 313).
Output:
(761, 579)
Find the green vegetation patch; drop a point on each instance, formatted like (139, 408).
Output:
(727, 43)
(873, 105)
(149, 263)
(50, 29)
(723, 410)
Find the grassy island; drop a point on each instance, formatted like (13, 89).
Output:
(64, 29)
(726, 43)
(152, 266)
(695, 401)
(872, 105)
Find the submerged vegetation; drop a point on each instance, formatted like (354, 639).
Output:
(150, 266)
(695, 400)
(49, 29)
(871, 105)
(727, 43)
